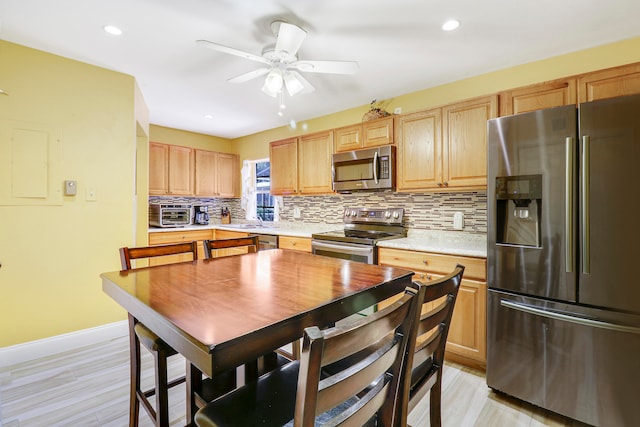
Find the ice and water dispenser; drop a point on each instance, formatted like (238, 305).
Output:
(519, 204)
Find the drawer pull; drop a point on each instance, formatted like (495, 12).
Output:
(425, 262)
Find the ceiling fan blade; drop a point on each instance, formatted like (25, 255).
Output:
(295, 83)
(290, 38)
(248, 76)
(232, 51)
(331, 67)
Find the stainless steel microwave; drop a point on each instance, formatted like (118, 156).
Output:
(371, 169)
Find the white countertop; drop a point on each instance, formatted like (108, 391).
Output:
(444, 242)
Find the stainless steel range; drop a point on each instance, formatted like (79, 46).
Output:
(363, 229)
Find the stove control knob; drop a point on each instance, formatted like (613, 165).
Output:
(353, 213)
(387, 214)
(347, 213)
(396, 215)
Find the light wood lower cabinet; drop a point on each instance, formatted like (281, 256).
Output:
(294, 243)
(466, 342)
(168, 237)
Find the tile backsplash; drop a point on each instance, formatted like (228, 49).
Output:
(429, 211)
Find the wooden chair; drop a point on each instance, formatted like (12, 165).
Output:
(251, 242)
(432, 331)
(373, 390)
(267, 362)
(161, 351)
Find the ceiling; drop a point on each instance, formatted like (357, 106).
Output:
(399, 46)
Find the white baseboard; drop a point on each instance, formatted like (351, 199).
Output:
(25, 352)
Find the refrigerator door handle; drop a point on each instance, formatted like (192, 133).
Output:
(570, 166)
(567, 318)
(584, 208)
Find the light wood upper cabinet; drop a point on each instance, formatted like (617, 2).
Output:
(445, 148)
(314, 160)
(184, 171)
(216, 174)
(302, 165)
(464, 142)
(377, 132)
(539, 96)
(373, 133)
(419, 152)
(348, 138)
(180, 170)
(228, 170)
(283, 157)
(609, 83)
(206, 179)
(158, 169)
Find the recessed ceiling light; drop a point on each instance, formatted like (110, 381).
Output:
(450, 25)
(113, 30)
(208, 116)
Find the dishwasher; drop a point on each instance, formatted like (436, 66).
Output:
(266, 241)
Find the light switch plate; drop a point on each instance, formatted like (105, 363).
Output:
(458, 221)
(91, 194)
(70, 187)
(296, 212)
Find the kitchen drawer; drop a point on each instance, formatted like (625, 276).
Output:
(295, 243)
(168, 237)
(475, 268)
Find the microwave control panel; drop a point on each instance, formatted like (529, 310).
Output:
(384, 167)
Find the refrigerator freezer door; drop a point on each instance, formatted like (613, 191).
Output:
(582, 363)
(610, 202)
(520, 149)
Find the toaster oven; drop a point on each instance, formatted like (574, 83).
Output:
(169, 215)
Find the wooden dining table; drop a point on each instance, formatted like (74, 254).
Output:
(224, 312)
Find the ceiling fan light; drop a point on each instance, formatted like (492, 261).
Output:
(273, 82)
(293, 85)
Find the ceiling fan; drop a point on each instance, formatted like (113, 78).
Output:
(282, 64)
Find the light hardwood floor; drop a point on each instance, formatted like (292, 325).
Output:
(89, 387)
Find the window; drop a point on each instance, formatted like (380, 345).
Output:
(264, 201)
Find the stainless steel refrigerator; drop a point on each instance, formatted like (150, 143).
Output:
(563, 319)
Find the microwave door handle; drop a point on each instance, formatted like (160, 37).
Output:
(375, 166)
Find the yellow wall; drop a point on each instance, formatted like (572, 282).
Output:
(190, 139)
(625, 52)
(52, 256)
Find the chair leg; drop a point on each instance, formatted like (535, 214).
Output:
(435, 401)
(162, 390)
(134, 380)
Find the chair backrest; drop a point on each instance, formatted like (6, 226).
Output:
(432, 331)
(127, 254)
(251, 242)
(377, 352)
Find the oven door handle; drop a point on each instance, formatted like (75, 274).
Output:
(350, 250)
